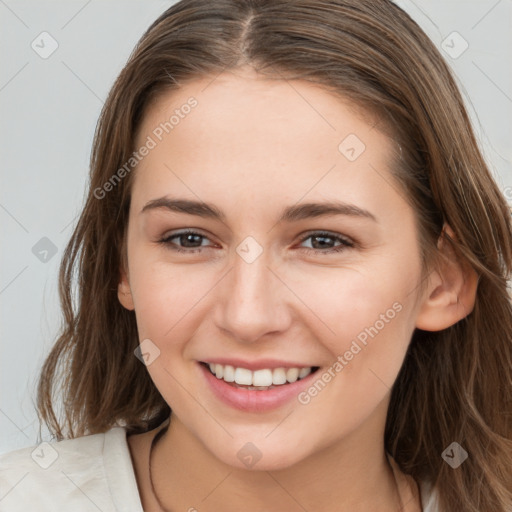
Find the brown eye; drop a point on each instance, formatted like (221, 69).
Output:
(322, 242)
(187, 241)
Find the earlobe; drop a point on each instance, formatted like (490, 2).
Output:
(124, 293)
(451, 291)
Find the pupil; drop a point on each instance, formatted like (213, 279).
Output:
(322, 244)
(189, 238)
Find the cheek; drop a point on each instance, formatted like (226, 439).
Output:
(167, 297)
(372, 333)
(357, 302)
(367, 319)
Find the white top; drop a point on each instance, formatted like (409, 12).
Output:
(88, 473)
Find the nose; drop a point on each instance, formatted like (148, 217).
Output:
(253, 300)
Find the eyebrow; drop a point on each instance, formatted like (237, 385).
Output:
(290, 214)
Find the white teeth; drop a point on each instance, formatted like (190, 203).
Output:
(278, 376)
(229, 373)
(292, 374)
(259, 379)
(243, 376)
(304, 372)
(262, 378)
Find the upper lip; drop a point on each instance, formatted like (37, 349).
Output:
(254, 365)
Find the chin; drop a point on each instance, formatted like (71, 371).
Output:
(259, 455)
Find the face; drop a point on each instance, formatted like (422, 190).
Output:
(260, 285)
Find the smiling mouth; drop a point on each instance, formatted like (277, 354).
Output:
(259, 380)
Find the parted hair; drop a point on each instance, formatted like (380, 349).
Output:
(454, 384)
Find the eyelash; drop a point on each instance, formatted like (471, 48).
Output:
(345, 243)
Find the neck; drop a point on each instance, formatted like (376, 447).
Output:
(354, 475)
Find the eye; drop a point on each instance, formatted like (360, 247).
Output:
(190, 239)
(191, 242)
(323, 240)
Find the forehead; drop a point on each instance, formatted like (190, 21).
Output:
(249, 135)
(229, 96)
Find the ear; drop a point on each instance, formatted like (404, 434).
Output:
(451, 290)
(124, 293)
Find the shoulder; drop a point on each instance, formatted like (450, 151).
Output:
(86, 473)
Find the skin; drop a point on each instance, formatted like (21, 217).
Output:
(252, 147)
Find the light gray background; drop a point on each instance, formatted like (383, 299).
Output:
(48, 112)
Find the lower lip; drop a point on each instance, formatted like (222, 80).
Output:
(250, 400)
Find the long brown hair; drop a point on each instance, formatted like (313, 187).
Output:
(455, 385)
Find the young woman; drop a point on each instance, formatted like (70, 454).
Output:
(291, 279)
